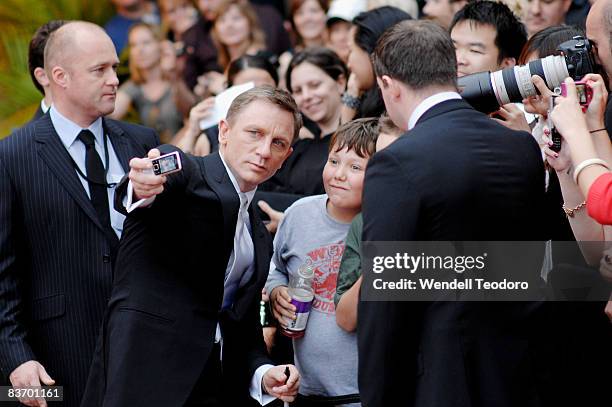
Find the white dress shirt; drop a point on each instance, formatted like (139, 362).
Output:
(68, 132)
(43, 106)
(255, 388)
(427, 104)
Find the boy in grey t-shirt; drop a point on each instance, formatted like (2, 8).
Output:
(313, 231)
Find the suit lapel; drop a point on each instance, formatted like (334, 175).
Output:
(120, 143)
(230, 203)
(54, 154)
(223, 188)
(244, 296)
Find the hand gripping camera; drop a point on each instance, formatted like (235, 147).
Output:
(487, 91)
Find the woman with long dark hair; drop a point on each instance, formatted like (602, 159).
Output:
(362, 97)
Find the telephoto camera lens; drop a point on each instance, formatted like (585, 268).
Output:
(487, 91)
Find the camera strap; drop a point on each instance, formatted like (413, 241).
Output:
(106, 166)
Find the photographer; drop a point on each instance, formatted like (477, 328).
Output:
(488, 37)
(590, 152)
(585, 155)
(588, 147)
(585, 329)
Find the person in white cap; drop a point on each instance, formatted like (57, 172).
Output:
(339, 23)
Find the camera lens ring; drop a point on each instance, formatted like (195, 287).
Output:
(498, 88)
(555, 70)
(511, 85)
(535, 67)
(523, 79)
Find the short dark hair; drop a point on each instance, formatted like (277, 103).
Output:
(266, 93)
(418, 53)
(358, 135)
(511, 34)
(250, 61)
(36, 50)
(546, 41)
(370, 25)
(323, 58)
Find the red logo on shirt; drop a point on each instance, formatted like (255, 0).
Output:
(326, 262)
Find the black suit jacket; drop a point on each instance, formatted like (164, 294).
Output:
(55, 260)
(457, 176)
(168, 291)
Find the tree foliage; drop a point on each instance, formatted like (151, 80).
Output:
(19, 19)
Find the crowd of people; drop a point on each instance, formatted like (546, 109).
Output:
(128, 287)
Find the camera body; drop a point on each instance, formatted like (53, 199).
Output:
(487, 91)
(578, 57)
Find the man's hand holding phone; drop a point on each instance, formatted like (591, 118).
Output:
(144, 181)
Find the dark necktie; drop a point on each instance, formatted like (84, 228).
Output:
(96, 179)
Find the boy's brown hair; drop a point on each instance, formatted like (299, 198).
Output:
(358, 135)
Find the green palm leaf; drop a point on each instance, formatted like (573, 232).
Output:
(19, 19)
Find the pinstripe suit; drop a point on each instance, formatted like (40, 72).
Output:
(55, 261)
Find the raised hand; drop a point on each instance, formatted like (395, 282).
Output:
(146, 184)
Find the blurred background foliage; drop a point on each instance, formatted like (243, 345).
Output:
(19, 19)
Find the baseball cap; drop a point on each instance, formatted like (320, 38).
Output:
(344, 10)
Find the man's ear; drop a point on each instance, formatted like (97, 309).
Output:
(390, 85)
(507, 62)
(41, 77)
(223, 132)
(60, 76)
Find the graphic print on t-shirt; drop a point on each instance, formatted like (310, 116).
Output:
(326, 262)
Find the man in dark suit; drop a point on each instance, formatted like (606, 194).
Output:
(58, 232)
(455, 176)
(36, 66)
(183, 327)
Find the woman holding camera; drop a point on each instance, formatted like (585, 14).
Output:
(584, 171)
(589, 148)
